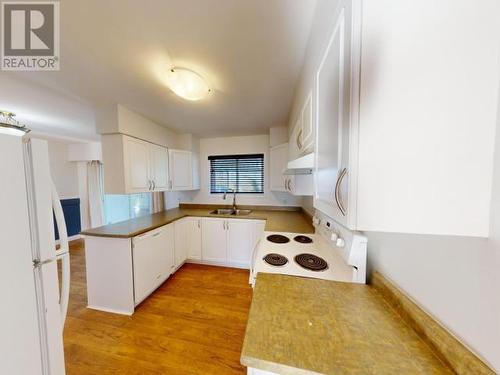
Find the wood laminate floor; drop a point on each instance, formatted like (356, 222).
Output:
(193, 324)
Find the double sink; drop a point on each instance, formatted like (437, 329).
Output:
(230, 211)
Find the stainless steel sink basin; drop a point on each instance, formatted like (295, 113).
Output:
(241, 212)
(230, 211)
(222, 211)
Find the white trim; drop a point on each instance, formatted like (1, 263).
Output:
(245, 266)
(121, 312)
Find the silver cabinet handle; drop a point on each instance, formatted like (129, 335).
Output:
(338, 198)
(149, 185)
(199, 224)
(170, 184)
(154, 185)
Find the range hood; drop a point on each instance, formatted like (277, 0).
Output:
(302, 165)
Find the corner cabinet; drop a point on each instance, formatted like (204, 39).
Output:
(187, 240)
(184, 170)
(133, 166)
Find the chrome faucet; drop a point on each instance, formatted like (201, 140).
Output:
(234, 197)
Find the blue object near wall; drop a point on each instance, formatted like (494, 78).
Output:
(71, 210)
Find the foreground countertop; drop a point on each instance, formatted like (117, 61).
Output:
(276, 220)
(310, 326)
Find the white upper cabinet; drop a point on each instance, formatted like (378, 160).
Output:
(137, 171)
(295, 142)
(195, 162)
(158, 167)
(404, 139)
(278, 161)
(302, 138)
(181, 169)
(307, 140)
(333, 123)
(133, 166)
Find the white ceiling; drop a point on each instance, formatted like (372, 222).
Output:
(251, 52)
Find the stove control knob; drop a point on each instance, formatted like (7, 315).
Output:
(334, 237)
(340, 242)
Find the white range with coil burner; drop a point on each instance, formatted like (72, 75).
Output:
(332, 253)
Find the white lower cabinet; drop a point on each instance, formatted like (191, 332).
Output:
(187, 240)
(214, 240)
(122, 272)
(240, 241)
(230, 241)
(194, 238)
(152, 260)
(181, 242)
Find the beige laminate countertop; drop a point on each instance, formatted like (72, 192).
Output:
(276, 221)
(310, 326)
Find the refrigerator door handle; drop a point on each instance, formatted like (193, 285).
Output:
(64, 296)
(62, 254)
(61, 223)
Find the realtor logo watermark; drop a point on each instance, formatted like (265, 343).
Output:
(30, 35)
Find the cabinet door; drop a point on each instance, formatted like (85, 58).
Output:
(332, 140)
(278, 161)
(182, 229)
(214, 240)
(159, 167)
(194, 238)
(295, 142)
(167, 252)
(240, 241)
(136, 154)
(181, 174)
(148, 267)
(307, 126)
(195, 163)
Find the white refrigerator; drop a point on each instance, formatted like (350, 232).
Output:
(33, 301)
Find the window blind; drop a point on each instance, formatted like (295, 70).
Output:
(241, 173)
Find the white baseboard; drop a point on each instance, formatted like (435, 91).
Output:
(219, 264)
(110, 310)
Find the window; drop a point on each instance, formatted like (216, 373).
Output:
(124, 207)
(241, 173)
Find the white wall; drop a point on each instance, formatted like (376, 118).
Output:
(237, 145)
(64, 173)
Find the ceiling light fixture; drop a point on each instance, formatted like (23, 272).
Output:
(187, 84)
(9, 125)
